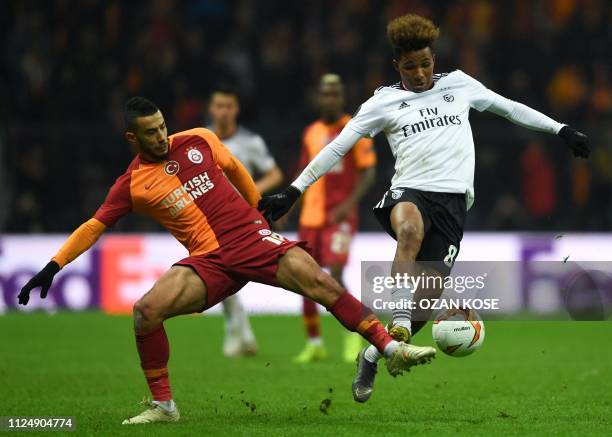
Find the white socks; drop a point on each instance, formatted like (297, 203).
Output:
(169, 406)
(245, 328)
(405, 323)
(402, 298)
(233, 312)
(401, 316)
(236, 319)
(372, 355)
(315, 341)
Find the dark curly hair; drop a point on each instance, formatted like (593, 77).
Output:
(411, 32)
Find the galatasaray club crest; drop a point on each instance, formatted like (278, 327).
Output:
(171, 168)
(195, 156)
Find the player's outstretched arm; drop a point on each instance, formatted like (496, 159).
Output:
(482, 98)
(81, 240)
(525, 116)
(275, 206)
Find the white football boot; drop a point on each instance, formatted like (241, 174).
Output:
(408, 355)
(155, 413)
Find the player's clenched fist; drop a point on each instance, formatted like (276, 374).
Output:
(577, 141)
(42, 279)
(275, 206)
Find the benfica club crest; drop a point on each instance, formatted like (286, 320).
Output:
(396, 194)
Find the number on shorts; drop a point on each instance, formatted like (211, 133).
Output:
(274, 238)
(340, 242)
(449, 259)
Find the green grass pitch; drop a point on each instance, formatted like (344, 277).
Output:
(536, 378)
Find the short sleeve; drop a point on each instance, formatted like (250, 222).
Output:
(369, 119)
(479, 96)
(262, 160)
(365, 156)
(118, 201)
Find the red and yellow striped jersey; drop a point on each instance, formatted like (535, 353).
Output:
(187, 193)
(338, 184)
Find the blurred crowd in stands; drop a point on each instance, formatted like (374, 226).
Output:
(67, 67)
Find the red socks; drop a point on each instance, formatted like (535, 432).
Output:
(311, 318)
(154, 352)
(356, 317)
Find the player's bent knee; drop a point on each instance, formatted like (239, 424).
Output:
(146, 317)
(409, 233)
(152, 309)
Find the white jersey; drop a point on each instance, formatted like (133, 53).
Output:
(251, 151)
(429, 132)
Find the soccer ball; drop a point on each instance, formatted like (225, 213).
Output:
(458, 332)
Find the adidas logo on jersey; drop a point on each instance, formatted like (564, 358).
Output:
(403, 105)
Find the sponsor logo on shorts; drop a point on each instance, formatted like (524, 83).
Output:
(265, 232)
(396, 194)
(195, 156)
(171, 168)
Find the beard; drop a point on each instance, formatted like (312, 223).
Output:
(157, 152)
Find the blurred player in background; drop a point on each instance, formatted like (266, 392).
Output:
(425, 119)
(183, 182)
(328, 218)
(251, 151)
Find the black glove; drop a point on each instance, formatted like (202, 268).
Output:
(577, 141)
(43, 279)
(275, 206)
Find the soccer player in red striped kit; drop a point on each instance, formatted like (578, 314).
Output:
(328, 216)
(184, 181)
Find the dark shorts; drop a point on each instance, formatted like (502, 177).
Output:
(330, 244)
(443, 219)
(229, 268)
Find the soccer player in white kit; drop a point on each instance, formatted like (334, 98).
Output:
(251, 151)
(425, 120)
